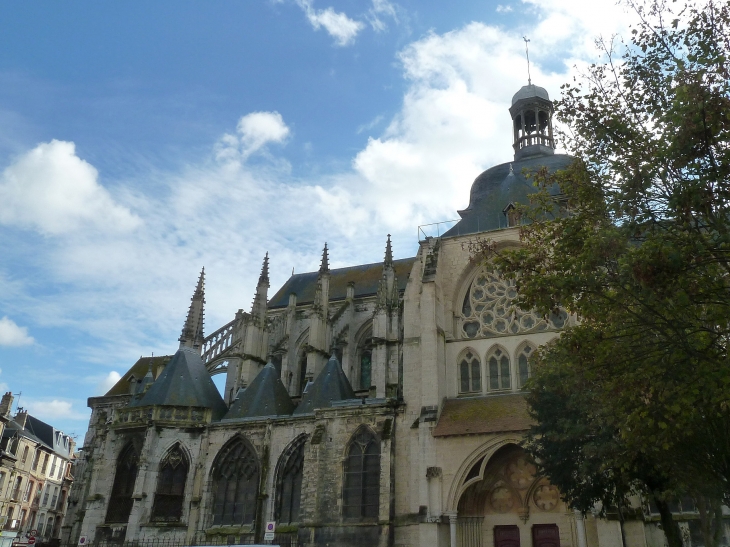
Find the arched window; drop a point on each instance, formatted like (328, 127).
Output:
(470, 372)
(490, 309)
(523, 363)
(235, 484)
(365, 359)
(120, 501)
(361, 493)
(170, 486)
(302, 371)
(289, 483)
(499, 370)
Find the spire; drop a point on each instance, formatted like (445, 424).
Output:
(264, 277)
(258, 308)
(325, 266)
(527, 54)
(388, 253)
(192, 332)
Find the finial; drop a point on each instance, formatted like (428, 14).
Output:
(325, 266)
(192, 332)
(264, 277)
(527, 54)
(388, 253)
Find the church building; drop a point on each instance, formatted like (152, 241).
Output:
(377, 405)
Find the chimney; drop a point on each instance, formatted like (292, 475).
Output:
(6, 404)
(21, 418)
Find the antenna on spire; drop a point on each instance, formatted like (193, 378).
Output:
(527, 54)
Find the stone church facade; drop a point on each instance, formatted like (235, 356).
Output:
(377, 405)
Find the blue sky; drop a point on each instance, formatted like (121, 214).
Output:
(141, 141)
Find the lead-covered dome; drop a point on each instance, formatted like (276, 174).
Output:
(530, 92)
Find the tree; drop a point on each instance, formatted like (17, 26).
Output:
(637, 246)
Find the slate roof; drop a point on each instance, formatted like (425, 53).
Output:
(366, 278)
(331, 385)
(138, 370)
(490, 414)
(35, 430)
(497, 187)
(184, 382)
(265, 396)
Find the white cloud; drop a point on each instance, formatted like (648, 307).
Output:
(338, 25)
(255, 130)
(52, 190)
(13, 335)
(108, 382)
(503, 8)
(55, 409)
(371, 124)
(380, 9)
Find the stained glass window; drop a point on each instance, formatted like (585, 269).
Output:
(490, 309)
(361, 493)
(289, 484)
(170, 486)
(499, 370)
(235, 484)
(523, 363)
(120, 501)
(470, 373)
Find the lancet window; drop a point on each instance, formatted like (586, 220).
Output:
(470, 372)
(361, 493)
(170, 490)
(289, 483)
(120, 501)
(499, 370)
(490, 309)
(365, 359)
(523, 363)
(235, 482)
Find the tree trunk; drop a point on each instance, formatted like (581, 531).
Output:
(671, 528)
(710, 520)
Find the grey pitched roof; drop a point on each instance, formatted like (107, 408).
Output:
(497, 187)
(138, 370)
(184, 382)
(265, 396)
(365, 277)
(331, 385)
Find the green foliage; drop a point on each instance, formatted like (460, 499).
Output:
(637, 395)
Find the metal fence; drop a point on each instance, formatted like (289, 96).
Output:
(283, 540)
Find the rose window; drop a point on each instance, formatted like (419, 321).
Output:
(490, 308)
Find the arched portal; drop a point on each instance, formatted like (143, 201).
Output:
(505, 503)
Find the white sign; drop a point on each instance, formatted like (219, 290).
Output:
(268, 536)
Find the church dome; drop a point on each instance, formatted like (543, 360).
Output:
(530, 92)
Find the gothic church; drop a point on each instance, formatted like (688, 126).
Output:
(375, 405)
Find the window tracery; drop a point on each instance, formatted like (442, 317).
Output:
(170, 490)
(235, 484)
(490, 309)
(289, 484)
(120, 501)
(499, 370)
(470, 372)
(361, 493)
(523, 363)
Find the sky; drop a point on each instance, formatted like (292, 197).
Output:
(142, 141)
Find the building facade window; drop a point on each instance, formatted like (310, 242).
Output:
(25, 454)
(523, 363)
(289, 483)
(54, 499)
(16, 489)
(49, 528)
(235, 484)
(499, 370)
(361, 492)
(45, 464)
(28, 491)
(120, 501)
(470, 372)
(490, 309)
(170, 490)
(35, 460)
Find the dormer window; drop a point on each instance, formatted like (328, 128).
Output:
(513, 215)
